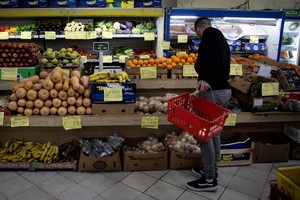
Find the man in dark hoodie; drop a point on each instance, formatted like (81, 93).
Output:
(212, 66)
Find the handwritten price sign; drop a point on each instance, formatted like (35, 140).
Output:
(9, 74)
(113, 94)
(231, 120)
(1, 118)
(189, 70)
(148, 72)
(150, 122)
(236, 69)
(270, 89)
(19, 121)
(72, 122)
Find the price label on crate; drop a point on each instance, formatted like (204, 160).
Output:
(254, 39)
(113, 94)
(270, 89)
(180, 52)
(149, 37)
(107, 35)
(149, 122)
(165, 45)
(148, 72)
(122, 59)
(26, 35)
(71, 122)
(1, 118)
(19, 121)
(144, 56)
(182, 39)
(50, 35)
(236, 69)
(4, 36)
(70, 35)
(9, 74)
(107, 59)
(81, 35)
(231, 119)
(91, 35)
(189, 70)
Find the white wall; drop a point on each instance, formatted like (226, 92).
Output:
(254, 4)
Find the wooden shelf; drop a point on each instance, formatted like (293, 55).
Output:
(7, 85)
(166, 84)
(135, 119)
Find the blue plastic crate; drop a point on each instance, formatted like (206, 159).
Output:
(91, 3)
(62, 3)
(9, 3)
(147, 3)
(33, 4)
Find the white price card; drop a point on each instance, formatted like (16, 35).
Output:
(1, 118)
(150, 122)
(4, 36)
(149, 37)
(50, 35)
(182, 39)
(236, 69)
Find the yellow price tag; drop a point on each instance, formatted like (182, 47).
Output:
(107, 59)
(66, 73)
(182, 39)
(180, 52)
(26, 35)
(122, 59)
(270, 89)
(71, 122)
(231, 119)
(148, 72)
(81, 35)
(1, 118)
(149, 122)
(9, 74)
(165, 45)
(236, 69)
(149, 37)
(144, 56)
(107, 35)
(83, 59)
(91, 35)
(113, 94)
(189, 70)
(50, 35)
(4, 36)
(70, 35)
(254, 39)
(19, 121)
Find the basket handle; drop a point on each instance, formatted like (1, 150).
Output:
(197, 94)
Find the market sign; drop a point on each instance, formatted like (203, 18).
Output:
(292, 12)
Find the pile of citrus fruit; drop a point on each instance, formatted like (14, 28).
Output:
(169, 63)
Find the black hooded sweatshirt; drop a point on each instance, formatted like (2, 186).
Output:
(213, 61)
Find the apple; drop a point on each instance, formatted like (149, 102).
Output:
(20, 45)
(4, 64)
(16, 64)
(21, 64)
(9, 55)
(6, 50)
(26, 55)
(12, 50)
(14, 45)
(6, 60)
(21, 55)
(8, 44)
(10, 64)
(3, 55)
(23, 50)
(18, 50)
(24, 60)
(18, 60)
(1, 65)
(1, 60)
(26, 64)
(12, 60)
(15, 55)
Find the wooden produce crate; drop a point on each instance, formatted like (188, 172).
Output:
(134, 72)
(289, 79)
(177, 73)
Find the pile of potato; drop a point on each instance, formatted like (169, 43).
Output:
(52, 93)
(153, 105)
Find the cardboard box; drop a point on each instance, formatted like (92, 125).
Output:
(113, 109)
(147, 3)
(270, 147)
(91, 3)
(128, 91)
(102, 164)
(143, 162)
(33, 4)
(294, 151)
(274, 63)
(178, 160)
(25, 72)
(240, 84)
(259, 47)
(9, 3)
(65, 3)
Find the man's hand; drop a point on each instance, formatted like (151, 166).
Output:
(203, 86)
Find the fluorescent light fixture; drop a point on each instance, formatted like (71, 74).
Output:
(184, 17)
(249, 19)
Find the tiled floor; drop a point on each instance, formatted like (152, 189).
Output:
(235, 183)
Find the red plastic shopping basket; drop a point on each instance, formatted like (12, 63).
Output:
(198, 116)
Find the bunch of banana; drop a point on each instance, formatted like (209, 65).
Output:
(108, 77)
(19, 151)
(68, 152)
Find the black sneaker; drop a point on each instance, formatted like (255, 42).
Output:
(199, 172)
(201, 185)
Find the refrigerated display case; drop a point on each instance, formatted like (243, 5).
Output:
(290, 43)
(247, 32)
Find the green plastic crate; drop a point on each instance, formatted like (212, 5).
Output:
(25, 72)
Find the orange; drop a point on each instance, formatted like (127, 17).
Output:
(151, 61)
(164, 64)
(169, 67)
(149, 65)
(173, 64)
(190, 60)
(162, 59)
(176, 60)
(182, 61)
(132, 65)
(156, 61)
(250, 57)
(146, 62)
(180, 55)
(187, 63)
(192, 55)
(159, 65)
(173, 58)
(134, 61)
(140, 62)
(169, 61)
(185, 56)
(138, 65)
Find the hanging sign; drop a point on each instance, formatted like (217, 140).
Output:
(165, 45)
(1, 118)
(26, 35)
(107, 59)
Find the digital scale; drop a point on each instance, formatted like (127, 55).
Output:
(101, 47)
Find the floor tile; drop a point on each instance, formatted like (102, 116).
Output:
(253, 174)
(2, 197)
(56, 184)
(145, 197)
(211, 195)
(156, 174)
(31, 194)
(267, 167)
(187, 195)
(7, 175)
(14, 186)
(121, 192)
(234, 195)
(225, 177)
(139, 181)
(98, 198)
(116, 175)
(228, 169)
(164, 191)
(37, 177)
(98, 183)
(246, 186)
(76, 176)
(187, 171)
(178, 178)
(77, 192)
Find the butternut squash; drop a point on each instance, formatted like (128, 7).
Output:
(33, 79)
(43, 94)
